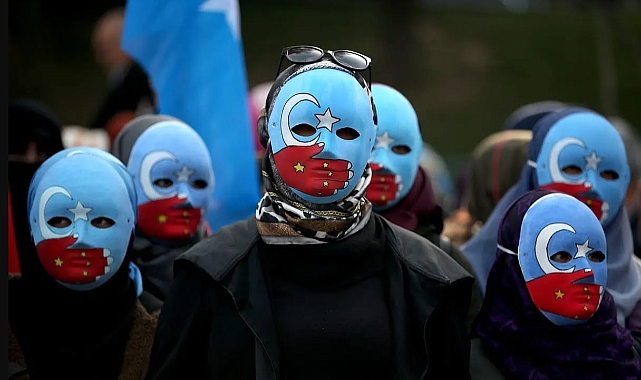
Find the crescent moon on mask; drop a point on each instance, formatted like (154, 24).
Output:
(555, 152)
(145, 173)
(541, 247)
(288, 137)
(42, 223)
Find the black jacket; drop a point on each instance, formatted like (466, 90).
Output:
(217, 320)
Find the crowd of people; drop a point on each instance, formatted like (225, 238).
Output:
(351, 267)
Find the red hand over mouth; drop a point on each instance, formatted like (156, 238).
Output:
(313, 176)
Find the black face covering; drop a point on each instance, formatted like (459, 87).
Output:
(29, 122)
(20, 174)
(71, 334)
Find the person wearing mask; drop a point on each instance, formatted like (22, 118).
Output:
(400, 190)
(315, 286)
(77, 315)
(174, 182)
(547, 313)
(578, 152)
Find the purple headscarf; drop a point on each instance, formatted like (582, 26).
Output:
(624, 283)
(524, 344)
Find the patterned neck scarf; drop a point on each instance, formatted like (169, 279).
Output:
(284, 218)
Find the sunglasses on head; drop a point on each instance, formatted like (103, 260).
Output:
(305, 54)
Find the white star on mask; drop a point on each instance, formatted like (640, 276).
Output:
(384, 141)
(80, 212)
(326, 120)
(183, 174)
(592, 161)
(583, 249)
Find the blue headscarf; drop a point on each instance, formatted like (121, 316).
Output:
(624, 271)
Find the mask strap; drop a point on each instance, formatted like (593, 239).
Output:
(531, 163)
(508, 251)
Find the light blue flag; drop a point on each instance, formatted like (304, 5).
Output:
(192, 51)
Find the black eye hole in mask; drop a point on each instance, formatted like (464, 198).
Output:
(561, 257)
(59, 222)
(102, 222)
(401, 149)
(304, 130)
(572, 170)
(348, 133)
(609, 175)
(199, 184)
(163, 183)
(596, 257)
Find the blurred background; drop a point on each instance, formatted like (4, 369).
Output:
(464, 64)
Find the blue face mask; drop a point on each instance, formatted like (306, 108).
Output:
(321, 132)
(583, 155)
(562, 254)
(174, 180)
(397, 151)
(81, 226)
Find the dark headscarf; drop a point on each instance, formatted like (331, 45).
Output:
(526, 116)
(154, 258)
(124, 142)
(495, 167)
(417, 207)
(524, 344)
(29, 121)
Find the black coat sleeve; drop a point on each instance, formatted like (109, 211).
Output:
(182, 337)
(448, 342)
